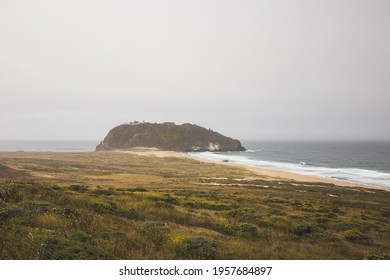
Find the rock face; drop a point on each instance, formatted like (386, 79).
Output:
(168, 136)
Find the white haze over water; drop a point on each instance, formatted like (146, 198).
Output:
(249, 69)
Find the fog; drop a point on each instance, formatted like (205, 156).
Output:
(314, 70)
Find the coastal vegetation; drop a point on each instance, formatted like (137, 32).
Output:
(112, 205)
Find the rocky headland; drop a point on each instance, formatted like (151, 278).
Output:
(169, 137)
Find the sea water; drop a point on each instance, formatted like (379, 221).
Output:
(356, 162)
(49, 145)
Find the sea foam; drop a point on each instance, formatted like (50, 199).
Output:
(353, 175)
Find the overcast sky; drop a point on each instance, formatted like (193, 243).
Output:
(248, 69)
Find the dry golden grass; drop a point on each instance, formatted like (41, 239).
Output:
(110, 205)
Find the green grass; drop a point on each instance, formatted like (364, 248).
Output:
(116, 206)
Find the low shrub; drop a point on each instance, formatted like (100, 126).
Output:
(243, 215)
(7, 211)
(78, 188)
(245, 230)
(217, 206)
(277, 212)
(374, 256)
(165, 198)
(132, 214)
(197, 248)
(163, 204)
(357, 237)
(135, 190)
(66, 212)
(206, 205)
(103, 192)
(342, 226)
(156, 232)
(385, 212)
(35, 207)
(109, 207)
(169, 199)
(303, 230)
(11, 193)
(80, 236)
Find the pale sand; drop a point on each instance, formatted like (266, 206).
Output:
(143, 151)
(268, 174)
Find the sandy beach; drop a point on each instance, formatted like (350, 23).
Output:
(143, 151)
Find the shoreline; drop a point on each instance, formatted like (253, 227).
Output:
(274, 175)
(267, 173)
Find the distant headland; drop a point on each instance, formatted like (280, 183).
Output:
(168, 136)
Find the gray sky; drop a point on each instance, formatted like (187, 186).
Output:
(248, 69)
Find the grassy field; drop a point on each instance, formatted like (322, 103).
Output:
(108, 205)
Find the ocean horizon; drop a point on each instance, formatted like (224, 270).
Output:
(364, 162)
(48, 145)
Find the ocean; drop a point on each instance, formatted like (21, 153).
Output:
(356, 162)
(49, 145)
